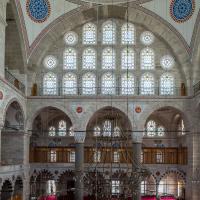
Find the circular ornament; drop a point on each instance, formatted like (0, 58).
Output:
(147, 38)
(79, 109)
(182, 10)
(50, 62)
(71, 38)
(1, 95)
(167, 62)
(138, 109)
(38, 10)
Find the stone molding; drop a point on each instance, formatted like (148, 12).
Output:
(79, 137)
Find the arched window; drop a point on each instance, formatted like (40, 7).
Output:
(89, 84)
(167, 84)
(97, 131)
(89, 33)
(109, 32)
(62, 128)
(127, 61)
(52, 131)
(70, 59)
(127, 84)
(147, 84)
(151, 128)
(97, 156)
(89, 59)
(50, 84)
(69, 84)
(181, 128)
(108, 58)
(108, 84)
(160, 131)
(128, 34)
(107, 128)
(117, 132)
(71, 132)
(147, 59)
(159, 156)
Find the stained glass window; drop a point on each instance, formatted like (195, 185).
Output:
(181, 128)
(70, 59)
(107, 128)
(109, 32)
(89, 59)
(117, 132)
(50, 62)
(52, 131)
(160, 131)
(71, 38)
(50, 84)
(167, 62)
(128, 34)
(115, 187)
(167, 84)
(89, 33)
(147, 84)
(116, 156)
(108, 58)
(108, 84)
(52, 156)
(147, 59)
(71, 132)
(97, 131)
(128, 84)
(72, 156)
(127, 61)
(69, 84)
(62, 128)
(97, 156)
(159, 157)
(89, 84)
(151, 128)
(147, 38)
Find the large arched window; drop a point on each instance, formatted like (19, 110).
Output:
(89, 33)
(153, 129)
(70, 59)
(69, 84)
(127, 60)
(89, 59)
(50, 84)
(52, 131)
(109, 32)
(167, 84)
(108, 84)
(108, 58)
(127, 84)
(147, 59)
(128, 34)
(147, 84)
(89, 84)
(107, 128)
(62, 128)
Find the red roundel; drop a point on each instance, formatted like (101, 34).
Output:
(138, 109)
(79, 109)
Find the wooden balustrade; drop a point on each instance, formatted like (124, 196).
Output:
(149, 155)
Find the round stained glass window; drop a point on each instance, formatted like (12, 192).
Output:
(167, 62)
(147, 38)
(50, 62)
(71, 38)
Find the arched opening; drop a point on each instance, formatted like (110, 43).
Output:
(18, 189)
(6, 191)
(148, 186)
(12, 135)
(172, 184)
(164, 140)
(66, 185)
(51, 130)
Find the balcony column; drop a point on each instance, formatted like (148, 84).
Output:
(137, 149)
(79, 164)
(3, 25)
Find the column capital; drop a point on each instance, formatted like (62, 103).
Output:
(79, 136)
(137, 137)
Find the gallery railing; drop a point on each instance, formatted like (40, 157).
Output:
(14, 81)
(107, 91)
(196, 88)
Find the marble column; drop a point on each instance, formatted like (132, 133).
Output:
(79, 165)
(3, 24)
(137, 148)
